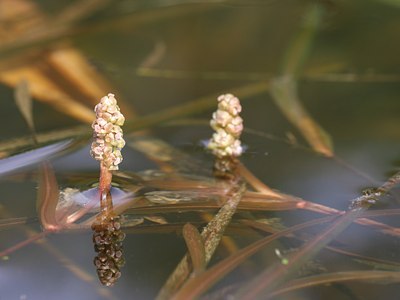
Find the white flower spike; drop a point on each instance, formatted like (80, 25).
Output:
(107, 133)
(228, 126)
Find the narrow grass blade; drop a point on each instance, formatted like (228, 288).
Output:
(72, 66)
(297, 52)
(45, 90)
(28, 158)
(284, 93)
(284, 88)
(367, 260)
(10, 222)
(211, 234)
(195, 245)
(12, 145)
(310, 281)
(24, 103)
(35, 237)
(48, 195)
(195, 106)
(279, 273)
(196, 286)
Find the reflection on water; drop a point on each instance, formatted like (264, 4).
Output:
(162, 54)
(107, 240)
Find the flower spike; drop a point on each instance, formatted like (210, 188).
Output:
(228, 126)
(107, 133)
(107, 140)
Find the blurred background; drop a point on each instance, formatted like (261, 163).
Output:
(319, 84)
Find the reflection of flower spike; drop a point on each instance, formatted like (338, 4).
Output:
(228, 126)
(107, 133)
(107, 239)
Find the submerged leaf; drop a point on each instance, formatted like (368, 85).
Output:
(279, 273)
(156, 219)
(195, 245)
(31, 157)
(211, 235)
(14, 144)
(47, 199)
(74, 204)
(383, 277)
(199, 284)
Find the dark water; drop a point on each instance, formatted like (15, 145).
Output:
(348, 82)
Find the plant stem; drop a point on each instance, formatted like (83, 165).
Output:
(105, 180)
(211, 234)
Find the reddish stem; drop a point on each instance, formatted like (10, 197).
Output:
(24, 243)
(105, 180)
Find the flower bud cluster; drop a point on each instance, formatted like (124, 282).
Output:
(228, 126)
(107, 133)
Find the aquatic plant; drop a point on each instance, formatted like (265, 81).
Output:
(228, 126)
(107, 139)
(106, 148)
(182, 195)
(225, 145)
(225, 142)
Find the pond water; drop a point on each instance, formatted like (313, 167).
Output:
(167, 61)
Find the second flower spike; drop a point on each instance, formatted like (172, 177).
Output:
(228, 126)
